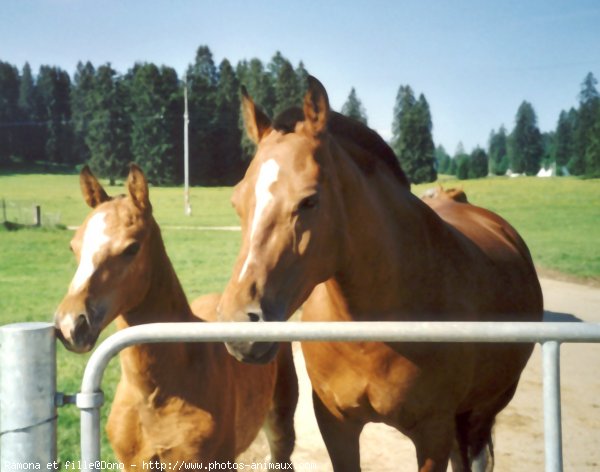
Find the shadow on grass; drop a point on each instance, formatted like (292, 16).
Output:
(10, 226)
(18, 168)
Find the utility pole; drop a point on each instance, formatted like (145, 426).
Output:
(186, 153)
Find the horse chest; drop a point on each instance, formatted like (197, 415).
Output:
(140, 430)
(366, 381)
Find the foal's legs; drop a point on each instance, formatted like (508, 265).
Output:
(341, 438)
(279, 425)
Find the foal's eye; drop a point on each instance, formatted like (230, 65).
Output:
(131, 250)
(309, 202)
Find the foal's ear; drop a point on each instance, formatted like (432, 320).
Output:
(92, 191)
(256, 122)
(316, 106)
(138, 188)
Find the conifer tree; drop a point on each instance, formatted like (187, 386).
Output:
(442, 159)
(302, 75)
(478, 165)
(54, 90)
(354, 108)
(565, 138)
(202, 81)
(108, 135)
(589, 105)
(498, 152)
(9, 110)
(287, 88)
(592, 155)
(30, 134)
(82, 94)
(154, 94)
(527, 142)
(461, 162)
(259, 84)
(229, 167)
(412, 140)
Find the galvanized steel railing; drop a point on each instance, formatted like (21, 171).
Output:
(549, 335)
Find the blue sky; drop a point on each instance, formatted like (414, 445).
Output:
(475, 61)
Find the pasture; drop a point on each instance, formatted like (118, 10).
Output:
(559, 219)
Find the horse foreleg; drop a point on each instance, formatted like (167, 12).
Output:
(341, 438)
(434, 439)
(279, 425)
(459, 459)
(484, 461)
(459, 456)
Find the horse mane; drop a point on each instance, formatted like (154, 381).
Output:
(347, 128)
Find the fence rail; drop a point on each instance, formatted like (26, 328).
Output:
(549, 335)
(27, 213)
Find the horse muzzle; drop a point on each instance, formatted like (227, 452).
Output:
(75, 332)
(253, 352)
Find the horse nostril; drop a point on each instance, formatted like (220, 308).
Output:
(254, 317)
(253, 290)
(81, 324)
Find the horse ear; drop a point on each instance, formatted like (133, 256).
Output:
(138, 188)
(92, 191)
(316, 106)
(257, 123)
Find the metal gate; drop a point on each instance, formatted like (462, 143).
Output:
(32, 436)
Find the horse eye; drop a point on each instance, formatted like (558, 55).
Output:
(132, 249)
(309, 202)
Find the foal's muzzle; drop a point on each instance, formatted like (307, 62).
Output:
(75, 332)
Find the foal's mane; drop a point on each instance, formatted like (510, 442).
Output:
(347, 128)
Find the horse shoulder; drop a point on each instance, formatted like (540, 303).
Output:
(180, 429)
(360, 379)
(124, 427)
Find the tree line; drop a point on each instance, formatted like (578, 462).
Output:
(108, 119)
(573, 147)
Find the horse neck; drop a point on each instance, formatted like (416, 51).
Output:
(392, 255)
(152, 365)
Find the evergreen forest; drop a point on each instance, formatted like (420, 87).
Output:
(108, 118)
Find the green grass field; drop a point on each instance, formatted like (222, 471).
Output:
(559, 219)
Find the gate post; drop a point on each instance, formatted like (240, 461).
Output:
(551, 392)
(27, 393)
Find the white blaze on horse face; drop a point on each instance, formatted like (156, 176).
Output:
(267, 175)
(93, 240)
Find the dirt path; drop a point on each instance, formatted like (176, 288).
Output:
(519, 441)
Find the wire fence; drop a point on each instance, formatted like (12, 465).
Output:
(22, 213)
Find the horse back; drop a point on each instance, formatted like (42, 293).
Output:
(498, 258)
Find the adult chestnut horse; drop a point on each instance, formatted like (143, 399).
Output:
(328, 221)
(176, 401)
